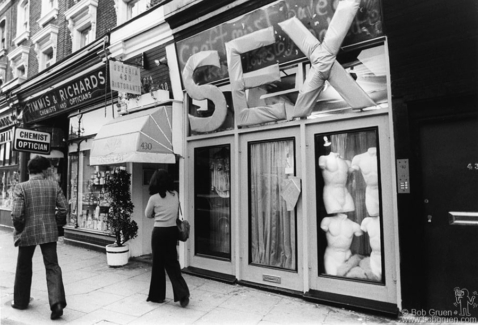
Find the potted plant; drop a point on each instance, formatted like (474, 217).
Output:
(119, 216)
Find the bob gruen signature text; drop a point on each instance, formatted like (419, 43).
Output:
(434, 316)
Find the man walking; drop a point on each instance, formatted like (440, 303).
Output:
(36, 223)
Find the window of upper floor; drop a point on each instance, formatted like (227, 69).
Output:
(19, 62)
(45, 42)
(82, 19)
(85, 36)
(49, 11)
(23, 25)
(3, 73)
(3, 37)
(127, 9)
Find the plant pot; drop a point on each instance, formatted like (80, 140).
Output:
(117, 255)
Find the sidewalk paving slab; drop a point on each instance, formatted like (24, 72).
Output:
(100, 295)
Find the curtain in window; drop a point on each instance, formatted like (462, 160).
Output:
(273, 236)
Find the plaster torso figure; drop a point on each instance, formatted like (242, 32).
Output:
(367, 164)
(340, 232)
(336, 196)
(371, 225)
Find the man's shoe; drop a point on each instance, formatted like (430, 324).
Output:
(18, 307)
(184, 302)
(56, 311)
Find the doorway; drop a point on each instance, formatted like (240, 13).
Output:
(448, 150)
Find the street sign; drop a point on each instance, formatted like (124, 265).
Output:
(32, 141)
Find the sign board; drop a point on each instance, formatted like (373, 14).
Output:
(32, 141)
(81, 91)
(125, 78)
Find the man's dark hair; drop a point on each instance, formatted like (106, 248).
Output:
(161, 182)
(38, 164)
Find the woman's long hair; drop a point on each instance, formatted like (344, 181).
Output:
(161, 182)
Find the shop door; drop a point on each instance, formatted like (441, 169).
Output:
(209, 183)
(350, 216)
(449, 165)
(270, 227)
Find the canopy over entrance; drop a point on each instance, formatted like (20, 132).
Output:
(143, 137)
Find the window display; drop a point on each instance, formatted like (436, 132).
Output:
(272, 226)
(86, 194)
(348, 205)
(9, 179)
(212, 201)
(9, 171)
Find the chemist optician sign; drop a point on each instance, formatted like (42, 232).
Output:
(32, 141)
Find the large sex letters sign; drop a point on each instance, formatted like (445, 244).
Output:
(323, 67)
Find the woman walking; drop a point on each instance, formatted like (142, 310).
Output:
(163, 206)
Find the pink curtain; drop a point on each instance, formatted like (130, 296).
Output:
(272, 227)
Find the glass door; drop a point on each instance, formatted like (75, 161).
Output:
(270, 189)
(352, 224)
(210, 191)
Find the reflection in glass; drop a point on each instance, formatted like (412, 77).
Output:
(272, 226)
(212, 217)
(348, 205)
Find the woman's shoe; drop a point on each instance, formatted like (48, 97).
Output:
(184, 302)
(18, 307)
(56, 311)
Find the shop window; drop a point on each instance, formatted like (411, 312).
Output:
(206, 108)
(275, 100)
(23, 26)
(49, 11)
(366, 66)
(272, 227)
(8, 170)
(349, 205)
(45, 42)
(212, 198)
(86, 195)
(9, 179)
(82, 18)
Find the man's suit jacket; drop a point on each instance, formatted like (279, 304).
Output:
(39, 207)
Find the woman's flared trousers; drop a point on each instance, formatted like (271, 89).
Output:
(165, 259)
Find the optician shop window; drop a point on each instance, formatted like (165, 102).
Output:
(212, 197)
(87, 198)
(9, 172)
(349, 205)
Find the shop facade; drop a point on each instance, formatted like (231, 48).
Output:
(145, 134)
(289, 179)
(62, 104)
(9, 163)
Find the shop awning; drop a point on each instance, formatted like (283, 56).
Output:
(143, 137)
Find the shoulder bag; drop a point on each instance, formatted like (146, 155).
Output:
(183, 227)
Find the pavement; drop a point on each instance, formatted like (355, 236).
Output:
(98, 294)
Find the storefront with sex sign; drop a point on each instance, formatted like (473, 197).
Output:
(289, 182)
